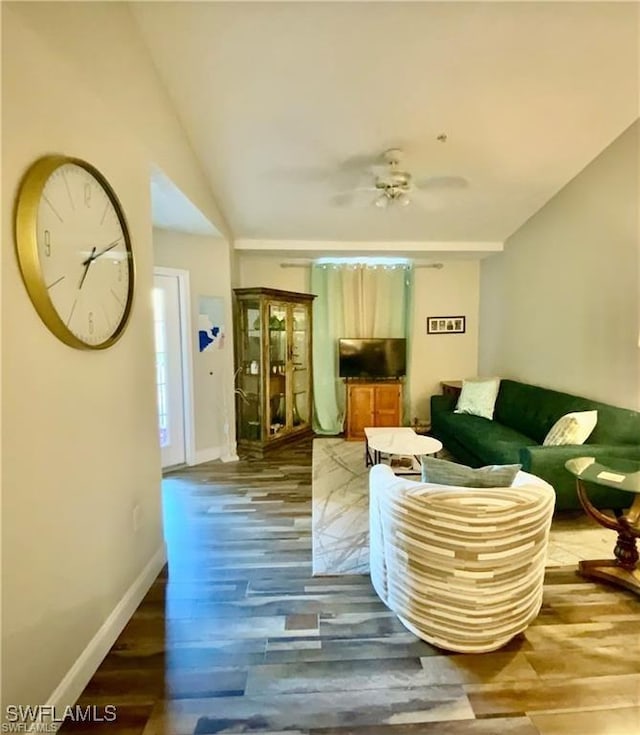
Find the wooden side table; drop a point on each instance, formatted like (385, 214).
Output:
(451, 387)
(622, 474)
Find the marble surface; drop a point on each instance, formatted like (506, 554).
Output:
(340, 517)
(401, 441)
(340, 508)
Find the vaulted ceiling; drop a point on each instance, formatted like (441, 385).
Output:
(288, 105)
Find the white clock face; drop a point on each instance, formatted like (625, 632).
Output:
(84, 254)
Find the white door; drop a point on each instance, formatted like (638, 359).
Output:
(169, 369)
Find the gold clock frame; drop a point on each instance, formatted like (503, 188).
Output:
(26, 240)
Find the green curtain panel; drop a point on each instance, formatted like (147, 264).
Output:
(353, 300)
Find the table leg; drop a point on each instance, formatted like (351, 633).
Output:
(626, 551)
(370, 460)
(623, 570)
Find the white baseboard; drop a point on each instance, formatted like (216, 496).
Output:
(78, 676)
(206, 455)
(231, 453)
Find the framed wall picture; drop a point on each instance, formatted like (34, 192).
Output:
(446, 324)
(210, 323)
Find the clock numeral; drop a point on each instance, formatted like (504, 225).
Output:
(47, 243)
(91, 324)
(119, 271)
(87, 195)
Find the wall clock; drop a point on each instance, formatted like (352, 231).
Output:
(74, 251)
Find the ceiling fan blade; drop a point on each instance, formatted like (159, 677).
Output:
(360, 162)
(442, 182)
(344, 199)
(360, 197)
(428, 200)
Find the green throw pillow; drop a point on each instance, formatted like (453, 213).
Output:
(441, 472)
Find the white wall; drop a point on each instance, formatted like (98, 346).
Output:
(451, 290)
(207, 260)
(79, 440)
(560, 307)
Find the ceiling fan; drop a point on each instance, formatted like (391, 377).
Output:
(394, 185)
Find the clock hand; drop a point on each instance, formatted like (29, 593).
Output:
(106, 250)
(95, 256)
(86, 265)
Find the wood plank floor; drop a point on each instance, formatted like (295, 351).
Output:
(238, 637)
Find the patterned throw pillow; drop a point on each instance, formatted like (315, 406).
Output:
(478, 397)
(441, 472)
(573, 428)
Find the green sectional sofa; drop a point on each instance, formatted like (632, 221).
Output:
(523, 415)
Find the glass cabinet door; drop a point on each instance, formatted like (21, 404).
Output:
(273, 367)
(277, 368)
(301, 373)
(249, 369)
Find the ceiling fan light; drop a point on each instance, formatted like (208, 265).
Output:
(403, 200)
(382, 201)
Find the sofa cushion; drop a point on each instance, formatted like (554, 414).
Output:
(572, 428)
(441, 472)
(478, 397)
(494, 442)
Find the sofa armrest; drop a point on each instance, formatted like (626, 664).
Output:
(538, 456)
(548, 463)
(443, 404)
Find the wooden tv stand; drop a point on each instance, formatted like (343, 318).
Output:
(372, 403)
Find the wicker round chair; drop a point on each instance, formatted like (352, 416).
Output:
(462, 567)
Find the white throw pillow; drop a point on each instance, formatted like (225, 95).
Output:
(478, 397)
(572, 428)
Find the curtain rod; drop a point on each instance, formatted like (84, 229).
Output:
(309, 263)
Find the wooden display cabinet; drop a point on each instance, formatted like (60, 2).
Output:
(274, 396)
(372, 404)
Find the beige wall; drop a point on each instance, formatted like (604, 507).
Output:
(451, 290)
(207, 260)
(85, 35)
(560, 307)
(79, 441)
(265, 270)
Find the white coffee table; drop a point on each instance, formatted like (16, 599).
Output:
(397, 440)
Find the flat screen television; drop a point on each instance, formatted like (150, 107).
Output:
(372, 358)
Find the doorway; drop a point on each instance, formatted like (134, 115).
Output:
(173, 365)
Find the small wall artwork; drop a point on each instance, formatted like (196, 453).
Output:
(446, 324)
(210, 323)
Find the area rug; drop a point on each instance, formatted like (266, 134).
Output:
(340, 516)
(340, 508)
